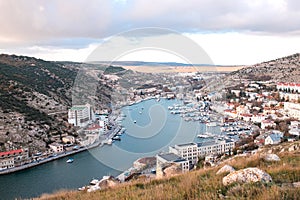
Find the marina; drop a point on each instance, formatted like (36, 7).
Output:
(136, 142)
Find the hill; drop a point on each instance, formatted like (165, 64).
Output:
(285, 69)
(35, 96)
(206, 184)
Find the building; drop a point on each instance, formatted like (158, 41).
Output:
(274, 138)
(192, 151)
(288, 87)
(13, 158)
(267, 124)
(56, 148)
(166, 159)
(219, 146)
(68, 139)
(94, 129)
(187, 151)
(80, 115)
(292, 109)
(7, 163)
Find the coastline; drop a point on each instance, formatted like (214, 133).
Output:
(46, 160)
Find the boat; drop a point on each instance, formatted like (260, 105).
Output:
(134, 121)
(70, 160)
(109, 141)
(211, 124)
(140, 112)
(116, 138)
(203, 136)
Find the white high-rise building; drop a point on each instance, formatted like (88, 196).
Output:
(80, 115)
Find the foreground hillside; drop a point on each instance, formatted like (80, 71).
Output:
(205, 184)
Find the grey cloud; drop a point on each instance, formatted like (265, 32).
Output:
(39, 21)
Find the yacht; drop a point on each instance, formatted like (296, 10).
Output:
(70, 160)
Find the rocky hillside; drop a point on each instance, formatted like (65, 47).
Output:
(286, 69)
(35, 96)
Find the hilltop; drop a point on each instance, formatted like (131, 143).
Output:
(204, 183)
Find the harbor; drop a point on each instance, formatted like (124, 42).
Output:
(103, 159)
(112, 159)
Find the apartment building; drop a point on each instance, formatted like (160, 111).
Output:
(13, 158)
(192, 151)
(80, 115)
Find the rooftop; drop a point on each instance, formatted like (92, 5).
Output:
(78, 108)
(11, 152)
(186, 144)
(171, 157)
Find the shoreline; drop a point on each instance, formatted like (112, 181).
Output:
(46, 160)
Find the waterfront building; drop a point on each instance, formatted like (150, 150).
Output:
(13, 158)
(192, 151)
(80, 115)
(7, 163)
(56, 147)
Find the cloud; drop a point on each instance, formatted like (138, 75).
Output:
(37, 21)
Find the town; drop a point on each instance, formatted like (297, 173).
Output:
(250, 115)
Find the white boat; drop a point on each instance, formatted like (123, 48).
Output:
(203, 136)
(109, 141)
(134, 121)
(70, 160)
(212, 124)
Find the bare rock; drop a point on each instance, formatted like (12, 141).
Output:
(271, 158)
(247, 175)
(296, 184)
(225, 169)
(172, 170)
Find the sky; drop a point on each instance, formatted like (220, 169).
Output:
(231, 32)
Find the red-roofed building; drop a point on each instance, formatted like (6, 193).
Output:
(13, 158)
(292, 87)
(94, 128)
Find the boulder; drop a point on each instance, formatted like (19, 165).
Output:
(225, 169)
(271, 158)
(247, 175)
(296, 184)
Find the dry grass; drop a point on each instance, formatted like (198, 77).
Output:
(205, 184)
